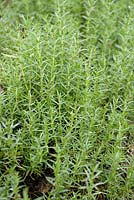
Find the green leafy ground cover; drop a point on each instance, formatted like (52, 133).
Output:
(67, 99)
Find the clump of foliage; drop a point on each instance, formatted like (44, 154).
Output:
(66, 98)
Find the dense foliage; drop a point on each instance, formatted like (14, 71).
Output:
(66, 99)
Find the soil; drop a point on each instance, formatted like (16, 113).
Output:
(38, 185)
(1, 89)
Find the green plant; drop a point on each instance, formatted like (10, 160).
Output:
(66, 99)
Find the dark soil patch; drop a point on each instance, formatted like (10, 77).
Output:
(102, 197)
(1, 89)
(38, 184)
